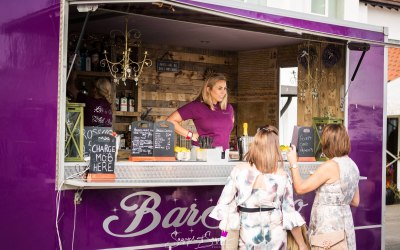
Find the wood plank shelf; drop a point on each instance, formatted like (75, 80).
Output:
(125, 113)
(93, 73)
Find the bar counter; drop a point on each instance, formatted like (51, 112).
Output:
(164, 174)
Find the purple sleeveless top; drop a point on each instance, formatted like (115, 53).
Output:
(217, 124)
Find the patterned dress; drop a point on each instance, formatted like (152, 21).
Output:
(331, 209)
(260, 230)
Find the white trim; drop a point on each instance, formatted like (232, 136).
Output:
(384, 139)
(398, 154)
(62, 86)
(369, 227)
(346, 85)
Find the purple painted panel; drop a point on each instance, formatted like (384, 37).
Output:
(368, 239)
(365, 125)
(28, 68)
(141, 217)
(138, 217)
(294, 22)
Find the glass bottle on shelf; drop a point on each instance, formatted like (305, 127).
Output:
(131, 103)
(84, 89)
(83, 61)
(128, 141)
(88, 62)
(123, 103)
(117, 99)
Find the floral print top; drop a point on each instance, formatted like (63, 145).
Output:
(260, 230)
(331, 210)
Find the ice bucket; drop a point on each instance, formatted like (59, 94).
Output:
(243, 145)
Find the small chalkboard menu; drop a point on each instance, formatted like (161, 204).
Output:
(102, 154)
(303, 139)
(142, 138)
(89, 132)
(163, 138)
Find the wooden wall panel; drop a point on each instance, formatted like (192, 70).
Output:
(257, 89)
(164, 92)
(320, 87)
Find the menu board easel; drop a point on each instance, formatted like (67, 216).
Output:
(102, 158)
(164, 141)
(303, 139)
(152, 141)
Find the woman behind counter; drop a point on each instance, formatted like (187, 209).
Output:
(210, 111)
(98, 109)
(336, 182)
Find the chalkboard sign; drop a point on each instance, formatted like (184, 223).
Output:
(89, 132)
(167, 66)
(303, 139)
(163, 139)
(102, 154)
(142, 138)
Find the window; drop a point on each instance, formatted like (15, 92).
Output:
(287, 103)
(319, 7)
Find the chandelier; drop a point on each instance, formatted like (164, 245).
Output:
(126, 68)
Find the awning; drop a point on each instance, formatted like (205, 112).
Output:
(292, 23)
(289, 21)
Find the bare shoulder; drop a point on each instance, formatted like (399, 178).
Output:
(329, 169)
(243, 165)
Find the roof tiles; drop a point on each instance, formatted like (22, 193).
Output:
(393, 63)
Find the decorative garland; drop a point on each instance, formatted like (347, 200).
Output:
(306, 56)
(331, 55)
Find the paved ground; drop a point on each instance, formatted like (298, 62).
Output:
(392, 227)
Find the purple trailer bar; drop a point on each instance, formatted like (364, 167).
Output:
(129, 217)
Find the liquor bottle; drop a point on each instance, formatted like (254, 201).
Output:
(83, 61)
(245, 127)
(117, 99)
(128, 138)
(243, 142)
(123, 103)
(131, 103)
(122, 142)
(95, 61)
(88, 62)
(84, 89)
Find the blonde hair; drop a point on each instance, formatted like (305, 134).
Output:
(205, 96)
(264, 152)
(102, 90)
(335, 141)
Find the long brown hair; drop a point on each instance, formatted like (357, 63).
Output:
(204, 95)
(264, 152)
(335, 141)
